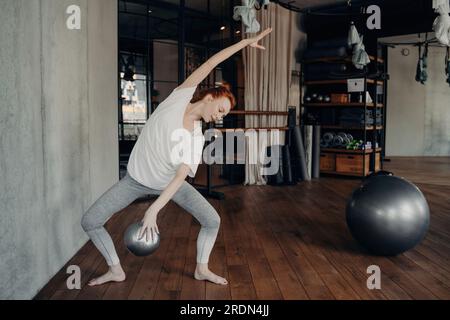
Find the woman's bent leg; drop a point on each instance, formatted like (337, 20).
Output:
(118, 197)
(192, 201)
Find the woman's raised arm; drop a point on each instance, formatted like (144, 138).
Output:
(202, 72)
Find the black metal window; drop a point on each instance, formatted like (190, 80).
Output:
(160, 44)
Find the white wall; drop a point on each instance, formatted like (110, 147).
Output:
(418, 116)
(58, 131)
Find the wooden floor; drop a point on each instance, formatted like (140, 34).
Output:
(278, 243)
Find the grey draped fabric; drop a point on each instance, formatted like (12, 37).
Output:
(447, 65)
(360, 57)
(263, 3)
(422, 65)
(353, 36)
(247, 13)
(441, 25)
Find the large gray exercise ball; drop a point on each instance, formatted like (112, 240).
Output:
(388, 215)
(140, 247)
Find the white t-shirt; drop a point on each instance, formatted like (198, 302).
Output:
(164, 144)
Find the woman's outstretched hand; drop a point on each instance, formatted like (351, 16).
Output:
(254, 41)
(149, 226)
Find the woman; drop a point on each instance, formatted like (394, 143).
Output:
(154, 168)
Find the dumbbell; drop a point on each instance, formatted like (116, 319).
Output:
(328, 137)
(346, 136)
(338, 141)
(323, 144)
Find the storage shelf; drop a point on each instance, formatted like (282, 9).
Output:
(342, 81)
(342, 105)
(337, 59)
(340, 161)
(333, 150)
(352, 128)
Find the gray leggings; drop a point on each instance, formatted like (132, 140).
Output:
(125, 192)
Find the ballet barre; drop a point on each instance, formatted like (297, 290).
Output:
(259, 113)
(254, 129)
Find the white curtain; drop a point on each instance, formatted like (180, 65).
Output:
(268, 77)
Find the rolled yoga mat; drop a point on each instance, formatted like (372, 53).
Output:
(287, 167)
(300, 153)
(294, 161)
(308, 148)
(277, 178)
(316, 153)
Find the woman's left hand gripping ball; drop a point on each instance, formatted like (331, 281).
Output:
(149, 227)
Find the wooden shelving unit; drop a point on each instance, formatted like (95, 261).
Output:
(368, 160)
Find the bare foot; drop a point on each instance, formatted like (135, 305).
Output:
(114, 274)
(206, 274)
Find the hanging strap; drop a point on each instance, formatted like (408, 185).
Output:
(447, 60)
(424, 75)
(421, 73)
(447, 65)
(419, 66)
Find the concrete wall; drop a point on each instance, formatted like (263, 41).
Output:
(58, 131)
(418, 116)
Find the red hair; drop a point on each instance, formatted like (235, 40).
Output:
(222, 91)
